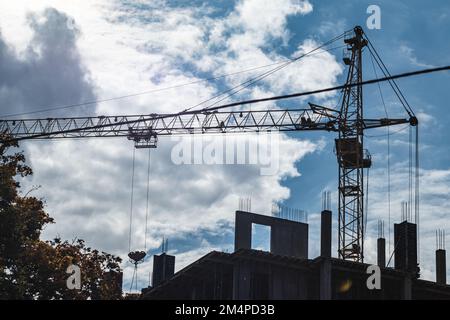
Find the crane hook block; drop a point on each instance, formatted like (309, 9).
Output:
(137, 256)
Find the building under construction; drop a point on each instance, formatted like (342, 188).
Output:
(286, 272)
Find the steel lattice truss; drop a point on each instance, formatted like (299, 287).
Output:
(195, 122)
(314, 118)
(352, 157)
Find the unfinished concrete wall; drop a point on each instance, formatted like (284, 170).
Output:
(288, 238)
(325, 233)
(405, 239)
(381, 252)
(441, 267)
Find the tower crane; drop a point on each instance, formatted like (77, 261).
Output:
(348, 123)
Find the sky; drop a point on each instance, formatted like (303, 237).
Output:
(55, 53)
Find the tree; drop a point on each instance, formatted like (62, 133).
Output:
(31, 268)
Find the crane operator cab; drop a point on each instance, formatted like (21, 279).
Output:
(351, 155)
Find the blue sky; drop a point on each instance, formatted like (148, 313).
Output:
(422, 28)
(412, 37)
(123, 47)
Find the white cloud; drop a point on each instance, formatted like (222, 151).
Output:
(263, 19)
(425, 119)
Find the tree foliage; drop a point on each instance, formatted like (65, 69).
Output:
(31, 268)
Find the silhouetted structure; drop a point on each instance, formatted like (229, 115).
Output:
(325, 233)
(441, 265)
(253, 274)
(163, 268)
(405, 241)
(287, 237)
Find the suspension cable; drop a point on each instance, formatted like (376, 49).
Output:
(388, 151)
(131, 200)
(389, 186)
(417, 193)
(392, 254)
(131, 95)
(136, 278)
(229, 105)
(312, 92)
(367, 203)
(132, 278)
(410, 171)
(386, 72)
(238, 88)
(391, 133)
(147, 203)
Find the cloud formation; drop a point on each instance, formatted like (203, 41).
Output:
(48, 72)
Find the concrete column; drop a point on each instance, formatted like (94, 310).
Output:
(325, 251)
(441, 267)
(242, 232)
(325, 234)
(405, 239)
(381, 252)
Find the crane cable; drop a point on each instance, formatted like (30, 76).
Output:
(410, 171)
(413, 174)
(238, 88)
(417, 194)
(98, 101)
(387, 74)
(134, 278)
(414, 179)
(366, 204)
(317, 91)
(147, 202)
(389, 184)
(391, 132)
(229, 105)
(131, 199)
(388, 151)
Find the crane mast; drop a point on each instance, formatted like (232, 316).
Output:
(351, 155)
